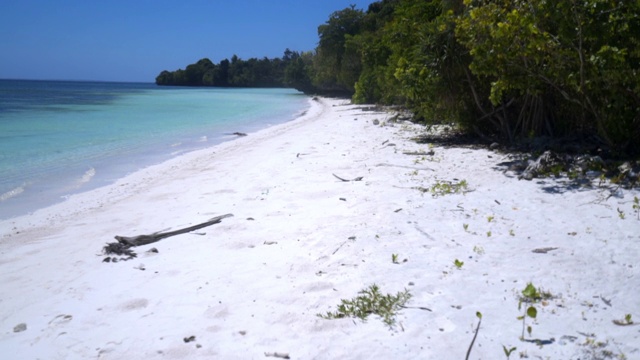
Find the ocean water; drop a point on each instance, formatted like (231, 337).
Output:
(59, 138)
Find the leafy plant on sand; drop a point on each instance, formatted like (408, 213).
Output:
(441, 188)
(530, 296)
(596, 349)
(394, 258)
(507, 352)
(458, 263)
(478, 250)
(627, 321)
(371, 301)
(636, 206)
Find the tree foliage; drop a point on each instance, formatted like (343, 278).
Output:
(570, 66)
(507, 69)
(502, 68)
(230, 73)
(337, 62)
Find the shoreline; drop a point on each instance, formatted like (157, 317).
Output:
(301, 240)
(75, 203)
(136, 126)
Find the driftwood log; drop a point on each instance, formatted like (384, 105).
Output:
(125, 243)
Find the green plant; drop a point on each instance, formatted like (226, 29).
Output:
(371, 301)
(627, 321)
(595, 349)
(636, 206)
(621, 214)
(488, 233)
(490, 218)
(394, 258)
(478, 250)
(465, 226)
(507, 352)
(441, 188)
(458, 263)
(530, 296)
(512, 233)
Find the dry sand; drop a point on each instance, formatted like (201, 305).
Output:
(301, 240)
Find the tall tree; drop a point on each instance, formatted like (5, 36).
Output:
(336, 65)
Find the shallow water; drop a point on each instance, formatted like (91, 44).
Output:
(59, 138)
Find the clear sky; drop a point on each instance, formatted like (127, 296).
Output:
(134, 40)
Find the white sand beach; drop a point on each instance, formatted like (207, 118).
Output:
(301, 240)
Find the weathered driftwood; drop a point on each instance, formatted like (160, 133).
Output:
(125, 243)
(151, 238)
(359, 178)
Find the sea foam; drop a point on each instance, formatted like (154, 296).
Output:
(87, 176)
(12, 193)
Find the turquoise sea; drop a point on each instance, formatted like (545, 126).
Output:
(59, 138)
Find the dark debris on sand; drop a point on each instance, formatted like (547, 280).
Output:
(117, 248)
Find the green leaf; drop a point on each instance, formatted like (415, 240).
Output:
(508, 352)
(532, 312)
(530, 292)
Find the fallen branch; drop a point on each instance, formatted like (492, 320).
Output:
(125, 243)
(148, 239)
(359, 178)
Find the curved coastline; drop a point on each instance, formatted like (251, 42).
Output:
(79, 202)
(24, 199)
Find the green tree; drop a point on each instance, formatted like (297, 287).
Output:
(376, 83)
(429, 63)
(299, 70)
(559, 67)
(336, 65)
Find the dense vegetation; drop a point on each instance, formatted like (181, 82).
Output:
(509, 69)
(234, 73)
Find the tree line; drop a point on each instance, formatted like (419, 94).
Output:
(509, 69)
(230, 73)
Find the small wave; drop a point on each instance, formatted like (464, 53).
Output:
(176, 144)
(203, 139)
(12, 193)
(87, 176)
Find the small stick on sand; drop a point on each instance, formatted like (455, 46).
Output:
(277, 355)
(359, 178)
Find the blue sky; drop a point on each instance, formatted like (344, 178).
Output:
(135, 40)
